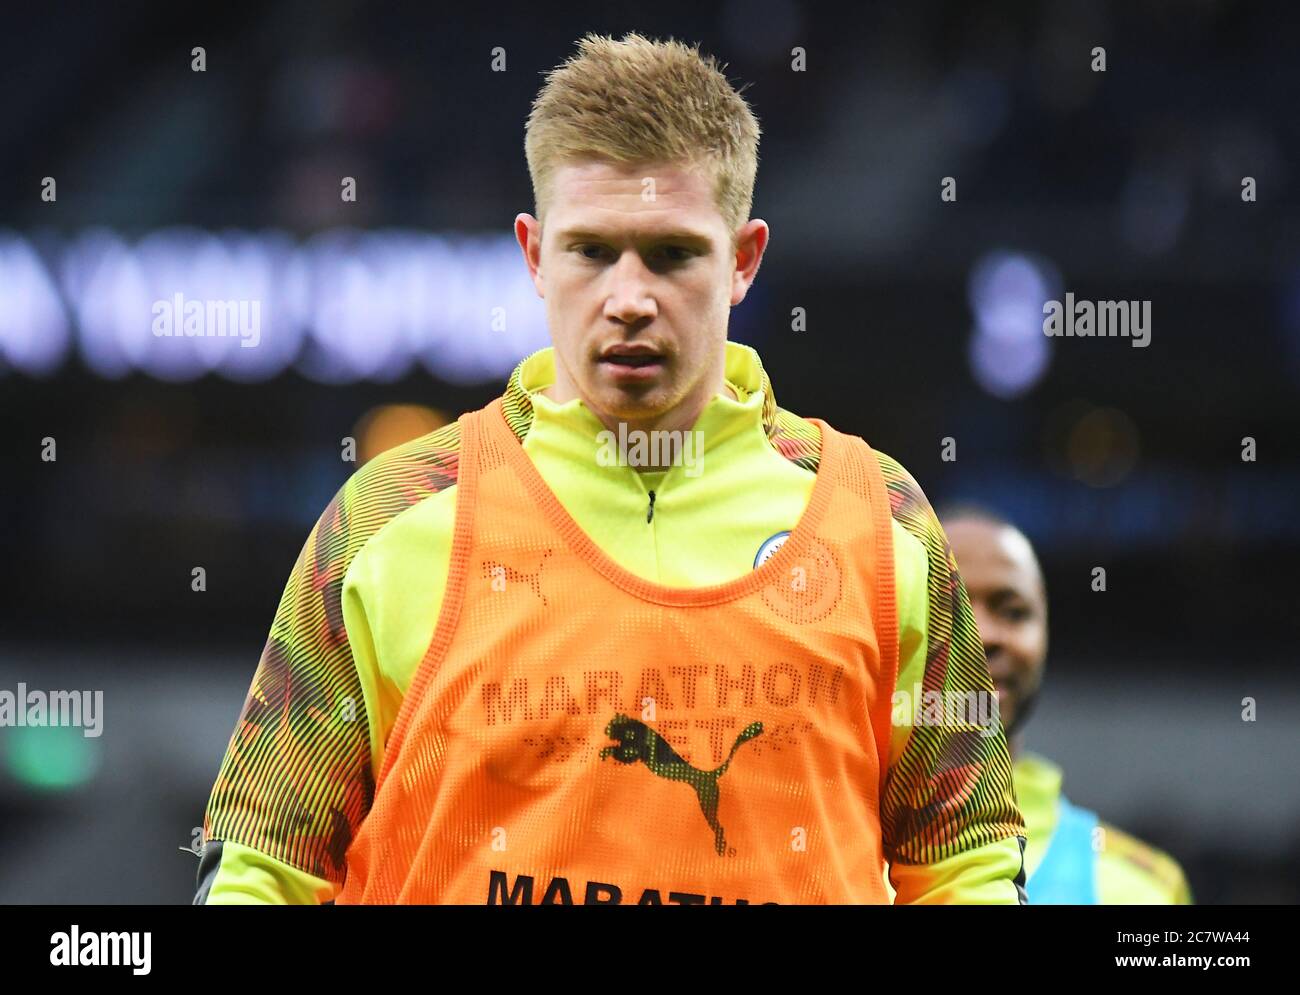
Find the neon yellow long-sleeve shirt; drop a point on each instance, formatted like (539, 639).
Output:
(360, 607)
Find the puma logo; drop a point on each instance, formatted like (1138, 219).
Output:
(637, 741)
(495, 571)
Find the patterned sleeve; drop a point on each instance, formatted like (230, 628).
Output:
(297, 776)
(949, 790)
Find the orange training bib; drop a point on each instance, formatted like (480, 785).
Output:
(576, 734)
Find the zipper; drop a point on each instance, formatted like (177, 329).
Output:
(650, 512)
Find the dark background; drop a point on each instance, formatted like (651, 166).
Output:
(1123, 184)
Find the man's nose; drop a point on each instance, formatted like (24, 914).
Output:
(630, 299)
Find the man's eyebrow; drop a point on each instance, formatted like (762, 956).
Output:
(673, 235)
(1004, 592)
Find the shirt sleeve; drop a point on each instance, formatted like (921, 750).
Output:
(951, 827)
(231, 874)
(297, 777)
(1131, 872)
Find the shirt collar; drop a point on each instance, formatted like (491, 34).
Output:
(1045, 776)
(742, 369)
(1038, 793)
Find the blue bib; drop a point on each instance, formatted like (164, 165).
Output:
(1068, 872)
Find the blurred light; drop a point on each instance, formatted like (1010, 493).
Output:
(389, 425)
(34, 336)
(352, 315)
(345, 306)
(50, 758)
(1103, 447)
(1008, 351)
(1007, 368)
(1004, 286)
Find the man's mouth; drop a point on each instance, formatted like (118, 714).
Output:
(633, 360)
(630, 364)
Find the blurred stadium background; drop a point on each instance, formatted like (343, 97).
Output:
(924, 322)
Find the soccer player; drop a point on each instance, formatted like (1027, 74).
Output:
(1072, 857)
(630, 632)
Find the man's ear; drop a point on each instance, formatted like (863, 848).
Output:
(751, 243)
(528, 233)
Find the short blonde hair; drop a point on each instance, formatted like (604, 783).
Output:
(641, 101)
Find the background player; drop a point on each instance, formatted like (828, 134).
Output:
(1072, 857)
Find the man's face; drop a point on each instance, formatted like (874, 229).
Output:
(1002, 577)
(637, 268)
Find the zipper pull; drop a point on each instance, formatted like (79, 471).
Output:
(650, 512)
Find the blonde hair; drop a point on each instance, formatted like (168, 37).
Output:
(641, 101)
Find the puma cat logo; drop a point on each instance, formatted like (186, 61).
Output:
(637, 741)
(493, 570)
